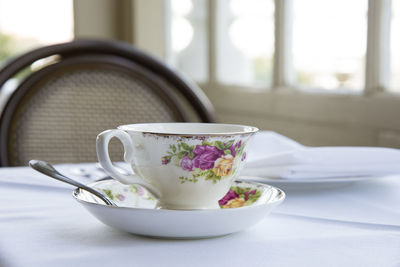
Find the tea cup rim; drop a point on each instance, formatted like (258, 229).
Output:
(203, 129)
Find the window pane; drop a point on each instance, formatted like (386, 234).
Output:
(245, 42)
(329, 43)
(189, 41)
(394, 48)
(25, 24)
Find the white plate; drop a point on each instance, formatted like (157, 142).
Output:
(137, 212)
(314, 183)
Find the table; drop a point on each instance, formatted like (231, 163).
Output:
(357, 225)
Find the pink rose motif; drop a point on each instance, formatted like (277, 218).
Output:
(230, 195)
(141, 191)
(235, 147)
(165, 160)
(121, 197)
(186, 163)
(205, 156)
(248, 193)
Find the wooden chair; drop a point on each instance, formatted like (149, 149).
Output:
(82, 88)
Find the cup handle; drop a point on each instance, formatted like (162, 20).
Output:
(102, 141)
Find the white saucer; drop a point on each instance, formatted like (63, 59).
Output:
(137, 212)
(313, 183)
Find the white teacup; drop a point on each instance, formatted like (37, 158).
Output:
(185, 165)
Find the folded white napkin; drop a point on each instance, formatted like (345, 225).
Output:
(274, 155)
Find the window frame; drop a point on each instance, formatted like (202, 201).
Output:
(369, 117)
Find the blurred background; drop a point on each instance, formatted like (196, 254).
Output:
(321, 72)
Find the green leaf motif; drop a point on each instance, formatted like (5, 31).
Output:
(208, 175)
(220, 145)
(186, 179)
(174, 148)
(206, 143)
(191, 155)
(175, 160)
(229, 143)
(108, 192)
(150, 197)
(133, 188)
(181, 154)
(253, 198)
(240, 190)
(186, 147)
(227, 152)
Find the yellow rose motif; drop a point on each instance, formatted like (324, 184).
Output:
(223, 165)
(234, 203)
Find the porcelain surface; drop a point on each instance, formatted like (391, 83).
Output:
(186, 165)
(308, 184)
(245, 204)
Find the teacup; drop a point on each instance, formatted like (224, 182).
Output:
(185, 165)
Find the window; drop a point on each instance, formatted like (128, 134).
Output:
(25, 24)
(307, 44)
(329, 43)
(189, 37)
(244, 56)
(394, 47)
(325, 72)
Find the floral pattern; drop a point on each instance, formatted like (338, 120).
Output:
(209, 160)
(135, 189)
(239, 197)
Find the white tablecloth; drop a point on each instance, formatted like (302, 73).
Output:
(357, 225)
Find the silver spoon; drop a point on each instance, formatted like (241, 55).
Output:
(49, 170)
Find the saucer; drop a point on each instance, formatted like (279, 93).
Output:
(312, 183)
(244, 205)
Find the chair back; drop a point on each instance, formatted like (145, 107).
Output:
(82, 88)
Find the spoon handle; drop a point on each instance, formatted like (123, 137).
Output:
(49, 170)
